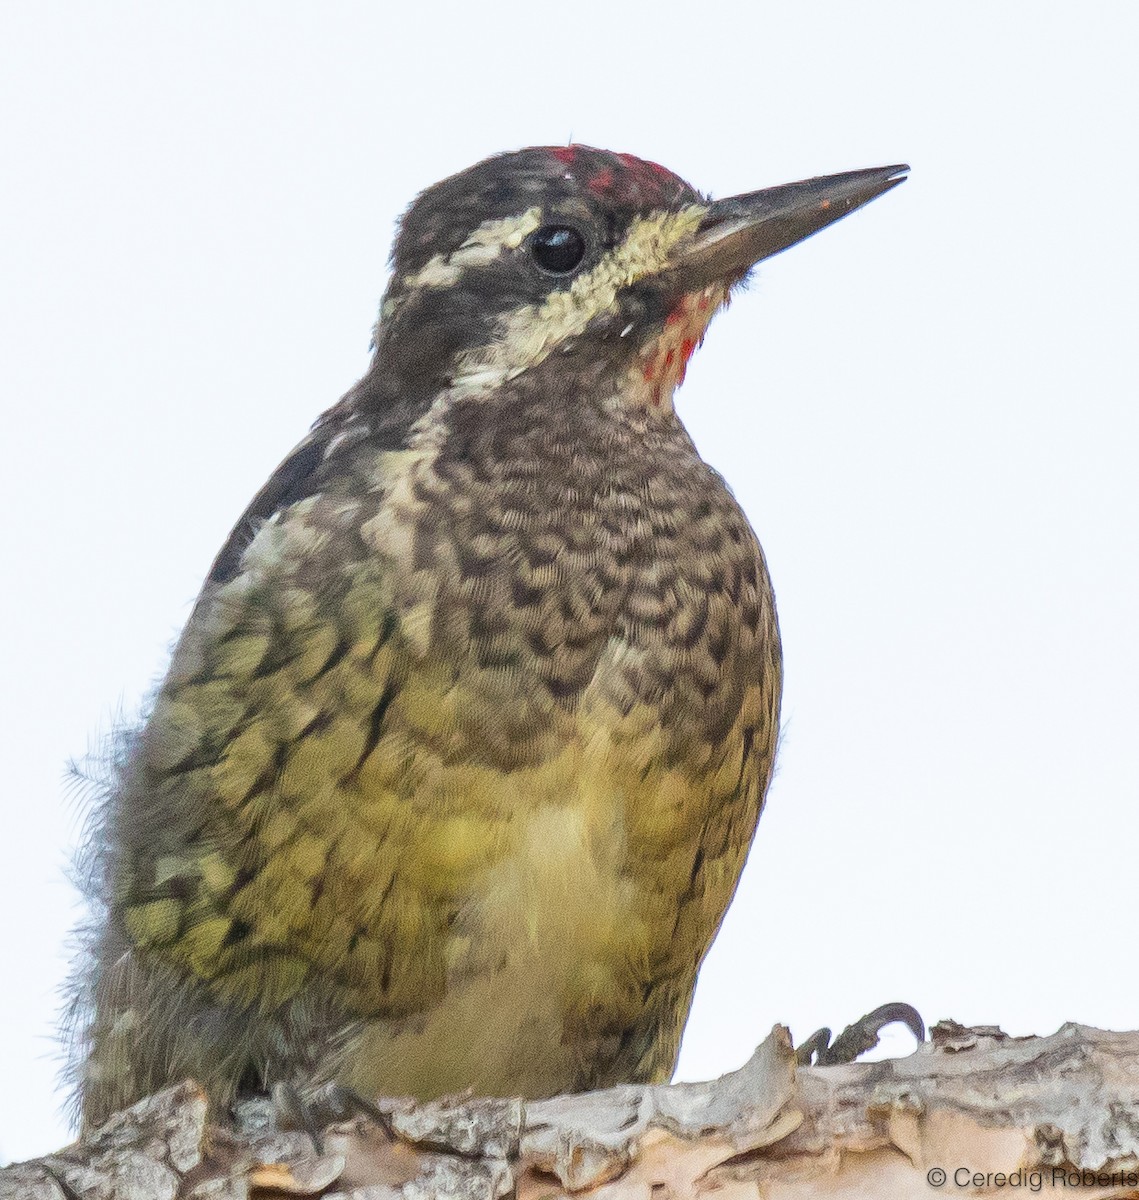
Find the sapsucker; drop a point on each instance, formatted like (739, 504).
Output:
(460, 754)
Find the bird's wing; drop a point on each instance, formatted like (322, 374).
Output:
(274, 804)
(307, 469)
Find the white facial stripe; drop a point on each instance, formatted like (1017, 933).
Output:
(484, 245)
(528, 335)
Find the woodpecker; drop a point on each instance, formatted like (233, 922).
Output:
(460, 754)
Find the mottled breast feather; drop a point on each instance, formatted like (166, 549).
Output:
(459, 757)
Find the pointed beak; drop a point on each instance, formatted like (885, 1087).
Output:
(742, 230)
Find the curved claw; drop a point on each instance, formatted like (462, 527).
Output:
(350, 1103)
(855, 1040)
(313, 1111)
(292, 1111)
(813, 1048)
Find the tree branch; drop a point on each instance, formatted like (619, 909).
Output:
(993, 1115)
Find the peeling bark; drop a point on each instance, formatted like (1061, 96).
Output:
(994, 1115)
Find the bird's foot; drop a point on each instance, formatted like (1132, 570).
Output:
(314, 1109)
(854, 1041)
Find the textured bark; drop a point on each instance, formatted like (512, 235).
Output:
(979, 1106)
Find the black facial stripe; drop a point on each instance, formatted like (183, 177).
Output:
(433, 325)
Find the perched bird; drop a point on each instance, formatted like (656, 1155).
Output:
(459, 757)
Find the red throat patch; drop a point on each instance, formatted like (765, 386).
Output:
(665, 361)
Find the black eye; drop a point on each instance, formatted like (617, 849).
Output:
(557, 248)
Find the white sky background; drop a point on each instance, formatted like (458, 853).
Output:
(929, 412)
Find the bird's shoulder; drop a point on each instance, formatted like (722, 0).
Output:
(341, 453)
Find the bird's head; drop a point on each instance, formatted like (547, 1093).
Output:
(601, 262)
